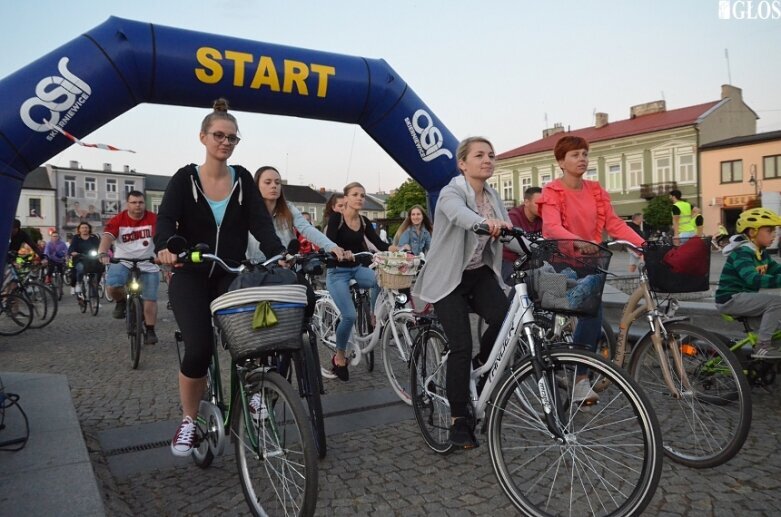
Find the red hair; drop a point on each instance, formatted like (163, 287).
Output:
(567, 144)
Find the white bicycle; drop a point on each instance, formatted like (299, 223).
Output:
(392, 331)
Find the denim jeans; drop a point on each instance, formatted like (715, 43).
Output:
(338, 283)
(587, 332)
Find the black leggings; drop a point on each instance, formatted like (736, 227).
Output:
(479, 290)
(190, 295)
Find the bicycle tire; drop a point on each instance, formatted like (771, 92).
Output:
(94, 296)
(203, 453)
(310, 386)
(719, 403)
(396, 356)
(80, 298)
(284, 446)
(589, 470)
(16, 314)
(57, 281)
(432, 413)
(135, 328)
(43, 301)
(363, 327)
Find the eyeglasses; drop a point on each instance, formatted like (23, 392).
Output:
(219, 136)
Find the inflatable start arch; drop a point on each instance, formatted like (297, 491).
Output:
(121, 63)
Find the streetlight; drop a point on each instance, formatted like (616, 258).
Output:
(753, 179)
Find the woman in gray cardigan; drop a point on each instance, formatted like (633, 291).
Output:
(463, 271)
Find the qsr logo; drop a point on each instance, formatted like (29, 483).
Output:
(428, 139)
(64, 93)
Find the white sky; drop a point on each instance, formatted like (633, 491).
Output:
(493, 68)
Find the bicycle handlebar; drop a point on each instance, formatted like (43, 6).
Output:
(115, 260)
(524, 238)
(625, 243)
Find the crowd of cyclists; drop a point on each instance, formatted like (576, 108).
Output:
(241, 217)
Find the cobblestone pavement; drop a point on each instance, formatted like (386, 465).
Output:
(381, 470)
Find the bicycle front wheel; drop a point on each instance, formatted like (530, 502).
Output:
(609, 460)
(275, 451)
(310, 385)
(363, 327)
(135, 329)
(706, 419)
(58, 285)
(397, 351)
(43, 301)
(94, 296)
(16, 314)
(428, 375)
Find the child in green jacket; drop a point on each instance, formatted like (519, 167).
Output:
(748, 269)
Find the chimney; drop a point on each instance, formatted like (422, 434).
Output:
(126, 168)
(322, 190)
(600, 120)
(731, 92)
(558, 127)
(74, 164)
(647, 109)
(106, 167)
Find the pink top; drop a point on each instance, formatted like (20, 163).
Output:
(581, 214)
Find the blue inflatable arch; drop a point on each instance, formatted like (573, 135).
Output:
(98, 76)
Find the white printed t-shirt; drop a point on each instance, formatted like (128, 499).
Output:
(133, 238)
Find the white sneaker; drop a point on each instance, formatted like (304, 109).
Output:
(326, 373)
(78, 288)
(583, 393)
(257, 408)
(184, 439)
(73, 291)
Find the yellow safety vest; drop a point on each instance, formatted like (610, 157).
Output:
(685, 221)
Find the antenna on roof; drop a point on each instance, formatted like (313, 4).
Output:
(546, 121)
(729, 73)
(662, 95)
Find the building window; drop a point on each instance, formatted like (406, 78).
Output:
(34, 207)
(545, 179)
(156, 206)
(130, 185)
(526, 182)
(686, 168)
(507, 189)
(772, 167)
(91, 188)
(313, 213)
(732, 172)
(614, 178)
(591, 174)
(635, 174)
(664, 170)
(70, 186)
(111, 189)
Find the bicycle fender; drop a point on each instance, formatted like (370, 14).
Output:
(666, 320)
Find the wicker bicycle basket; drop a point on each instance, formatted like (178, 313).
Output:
(233, 313)
(686, 274)
(568, 276)
(396, 270)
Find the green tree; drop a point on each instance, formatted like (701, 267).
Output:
(409, 193)
(659, 212)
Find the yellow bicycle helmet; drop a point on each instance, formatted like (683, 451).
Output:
(757, 218)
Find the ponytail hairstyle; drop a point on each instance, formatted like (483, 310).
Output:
(220, 113)
(281, 210)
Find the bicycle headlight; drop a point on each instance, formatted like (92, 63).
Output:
(134, 286)
(401, 298)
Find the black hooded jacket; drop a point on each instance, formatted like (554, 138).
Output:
(185, 211)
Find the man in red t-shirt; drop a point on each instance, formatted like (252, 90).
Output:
(131, 232)
(526, 216)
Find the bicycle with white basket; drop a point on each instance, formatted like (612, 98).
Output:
(392, 329)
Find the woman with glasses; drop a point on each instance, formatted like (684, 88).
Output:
(216, 204)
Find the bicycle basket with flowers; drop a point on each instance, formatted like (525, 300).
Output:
(396, 269)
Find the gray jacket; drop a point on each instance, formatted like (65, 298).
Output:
(454, 242)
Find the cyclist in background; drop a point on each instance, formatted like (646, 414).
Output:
(526, 216)
(748, 269)
(56, 252)
(81, 245)
(336, 203)
(216, 204)
(131, 233)
(463, 270)
(349, 230)
(414, 234)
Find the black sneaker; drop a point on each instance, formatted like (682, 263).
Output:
(151, 337)
(340, 371)
(462, 435)
(119, 310)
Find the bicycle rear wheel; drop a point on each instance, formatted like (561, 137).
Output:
(396, 354)
(610, 460)
(275, 452)
(43, 301)
(428, 371)
(135, 329)
(16, 314)
(58, 284)
(363, 327)
(310, 386)
(705, 423)
(94, 296)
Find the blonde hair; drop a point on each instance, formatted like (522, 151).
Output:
(220, 112)
(465, 144)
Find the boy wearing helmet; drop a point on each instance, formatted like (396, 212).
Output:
(748, 269)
